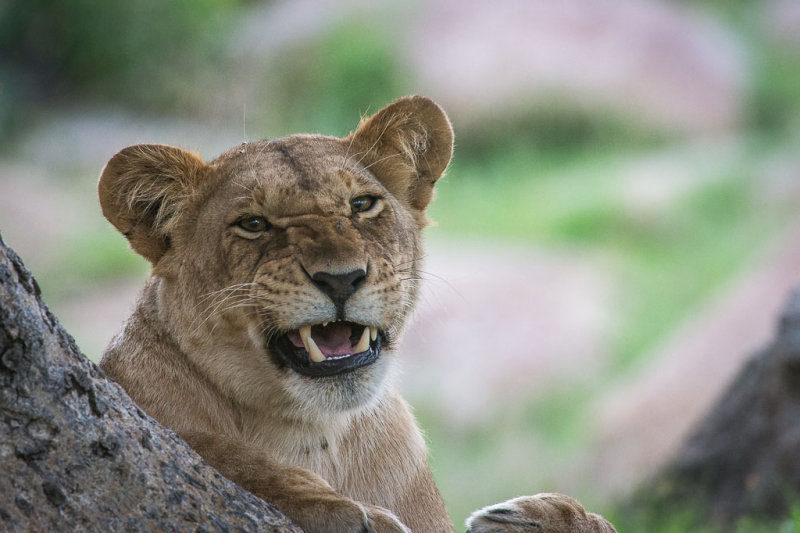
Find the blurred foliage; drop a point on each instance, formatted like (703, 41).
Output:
(671, 258)
(775, 104)
(553, 134)
(138, 52)
(652, 515)
(96, 255)
(347, 71)
(774, 99)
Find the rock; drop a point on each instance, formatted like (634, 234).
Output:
(650, 60)
(641, 423)
(79, 455)
(744, 458)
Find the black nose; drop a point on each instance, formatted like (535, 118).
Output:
(339, 287)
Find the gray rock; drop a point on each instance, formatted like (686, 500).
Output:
(744, 458)
(78, 455)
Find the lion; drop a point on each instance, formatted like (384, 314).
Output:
(283, 275)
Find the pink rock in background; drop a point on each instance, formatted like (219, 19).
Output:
(660, 62)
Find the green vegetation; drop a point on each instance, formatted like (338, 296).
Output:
(348, 71)
(94, 255)
(685, 518)
(671, 257)
(147, 54)
(774, 105)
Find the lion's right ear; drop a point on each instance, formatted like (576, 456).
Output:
(142, 191)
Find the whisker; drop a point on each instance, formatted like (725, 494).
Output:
(382, 159)
(220, 301)
(414, 260)
(374, 144)
(347, 152)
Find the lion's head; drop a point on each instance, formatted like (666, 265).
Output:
(289, 264)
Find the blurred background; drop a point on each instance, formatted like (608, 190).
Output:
(615, 237)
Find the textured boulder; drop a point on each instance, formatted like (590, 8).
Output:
(78, 455)
(744, 458)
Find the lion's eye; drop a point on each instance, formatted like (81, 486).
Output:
(253, 224)
(362, 203)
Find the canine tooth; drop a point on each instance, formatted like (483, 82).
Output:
(373, 333)
(311, 346)
(363, 343)
(305, 334)
(314, 351)
(324, 324)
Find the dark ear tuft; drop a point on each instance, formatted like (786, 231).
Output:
(142, 190)
(407, 145)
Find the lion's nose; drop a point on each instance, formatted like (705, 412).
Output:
(339, 287)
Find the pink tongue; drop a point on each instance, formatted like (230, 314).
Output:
(333, 339)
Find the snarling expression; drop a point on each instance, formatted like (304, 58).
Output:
(305, 249)
(315, 254)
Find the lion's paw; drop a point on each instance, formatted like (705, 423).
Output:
(543, 513)
(383, 521)
(346, 516)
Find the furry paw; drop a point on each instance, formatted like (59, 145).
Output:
(348, 516)
(543, 513)
(383, 521)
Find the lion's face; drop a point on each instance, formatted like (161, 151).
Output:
(306, 248)
(304, 251)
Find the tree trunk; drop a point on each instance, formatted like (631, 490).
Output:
(77, 454)
(744, 458)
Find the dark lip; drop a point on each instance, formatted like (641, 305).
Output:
(285, 354)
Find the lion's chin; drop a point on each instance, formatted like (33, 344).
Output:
(325, 350)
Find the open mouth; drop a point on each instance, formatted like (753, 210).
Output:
(327, 349)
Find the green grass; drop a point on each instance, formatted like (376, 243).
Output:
(715, 232)
(666, 261)
(94, 255)
(520, 196)
(684, 518)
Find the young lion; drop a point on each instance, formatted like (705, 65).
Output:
(283, 273)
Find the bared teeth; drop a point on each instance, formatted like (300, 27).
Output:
(363, 344)
(370, 333)
(311, 346)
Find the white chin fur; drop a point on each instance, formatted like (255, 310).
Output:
(317, 398)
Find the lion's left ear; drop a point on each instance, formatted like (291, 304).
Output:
(407, 145)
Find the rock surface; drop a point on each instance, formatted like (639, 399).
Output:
(742, 460)
(79, 455)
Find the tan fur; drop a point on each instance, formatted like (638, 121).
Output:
(550, 513)
(336, 453)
